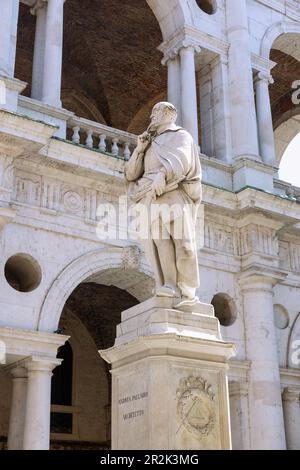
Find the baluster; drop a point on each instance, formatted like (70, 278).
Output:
(115, 147)
(127, 153)
(76, 135)
(89, 139)
(102, 143)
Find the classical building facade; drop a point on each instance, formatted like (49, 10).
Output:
(77, 83)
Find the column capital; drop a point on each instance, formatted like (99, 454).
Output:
(173, 53)
(170, 55)
(260, 279)
(18, 371)
(291, 394)
(264, 77)
(38, 5)
(41, 364)
(189, 44)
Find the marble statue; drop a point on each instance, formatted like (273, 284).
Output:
(164, 173)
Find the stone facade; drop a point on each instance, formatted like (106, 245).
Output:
(232, 75)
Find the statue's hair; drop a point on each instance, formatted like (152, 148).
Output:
(168, 108)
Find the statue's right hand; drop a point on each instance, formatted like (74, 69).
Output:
(143, 141)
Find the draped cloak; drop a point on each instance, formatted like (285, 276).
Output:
(178, 155)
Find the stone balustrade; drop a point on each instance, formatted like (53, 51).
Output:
(100, 137)
(286, 190)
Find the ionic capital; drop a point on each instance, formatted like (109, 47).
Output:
(291, 394)
(173, 53)
(190, 45)
(38, 4)
(264, 77)
(42, 365)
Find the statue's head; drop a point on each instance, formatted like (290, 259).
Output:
(163, 113)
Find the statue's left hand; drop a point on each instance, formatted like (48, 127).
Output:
(159, 185)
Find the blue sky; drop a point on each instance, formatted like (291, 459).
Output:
(290, 165)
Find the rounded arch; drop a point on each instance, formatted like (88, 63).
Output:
(287, 128)
(273, 32)
(134, 275)
(170, 15)
(140, 121)
(293, 347)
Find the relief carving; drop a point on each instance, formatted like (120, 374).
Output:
(196, 406)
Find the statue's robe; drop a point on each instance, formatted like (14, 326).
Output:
(175, 152)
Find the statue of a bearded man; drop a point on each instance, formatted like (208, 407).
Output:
(164, 175)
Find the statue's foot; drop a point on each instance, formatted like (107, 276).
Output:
(187, 302)
(166, 291)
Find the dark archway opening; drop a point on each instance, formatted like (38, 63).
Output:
(81, 412)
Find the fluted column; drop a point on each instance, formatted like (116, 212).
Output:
(38, 403)
(265, 403)
(264, 118)
(174, 82)
(51, 90)
(40, 10)
(291, 407)
(8, 36)
(189, 108)
(243, 115)
(17, 410)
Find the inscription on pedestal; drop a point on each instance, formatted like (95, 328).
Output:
(132, 400)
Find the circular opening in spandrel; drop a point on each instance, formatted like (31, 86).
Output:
(23, 272)
(225, 309)
(208, 6)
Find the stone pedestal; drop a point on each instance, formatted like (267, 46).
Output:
(169, 379)
(10, 89)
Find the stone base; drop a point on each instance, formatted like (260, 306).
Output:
(10, 89)
(169, 379)
(250, 172)
(43, 112)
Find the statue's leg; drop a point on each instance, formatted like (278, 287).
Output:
(187, 266)
(166, 253)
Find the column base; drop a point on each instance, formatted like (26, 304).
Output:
(10, 89)
(169, 372)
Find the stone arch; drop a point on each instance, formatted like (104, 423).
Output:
(170, 15)
(99, 266)
(140, 121)
(273, 32)
(292, 348)
(287, 128)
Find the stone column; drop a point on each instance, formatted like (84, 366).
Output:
(188, 90)
(221, 109)
(264, 118)
(53, 53)
(206, 112)
(174, 85)
(265, 403)
(291, 406)
(243, 115)
(38, 403)
(8, 36)
(17, 410)
(239, 415)
(40, 10)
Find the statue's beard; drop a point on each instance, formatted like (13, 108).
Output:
(152, 129)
